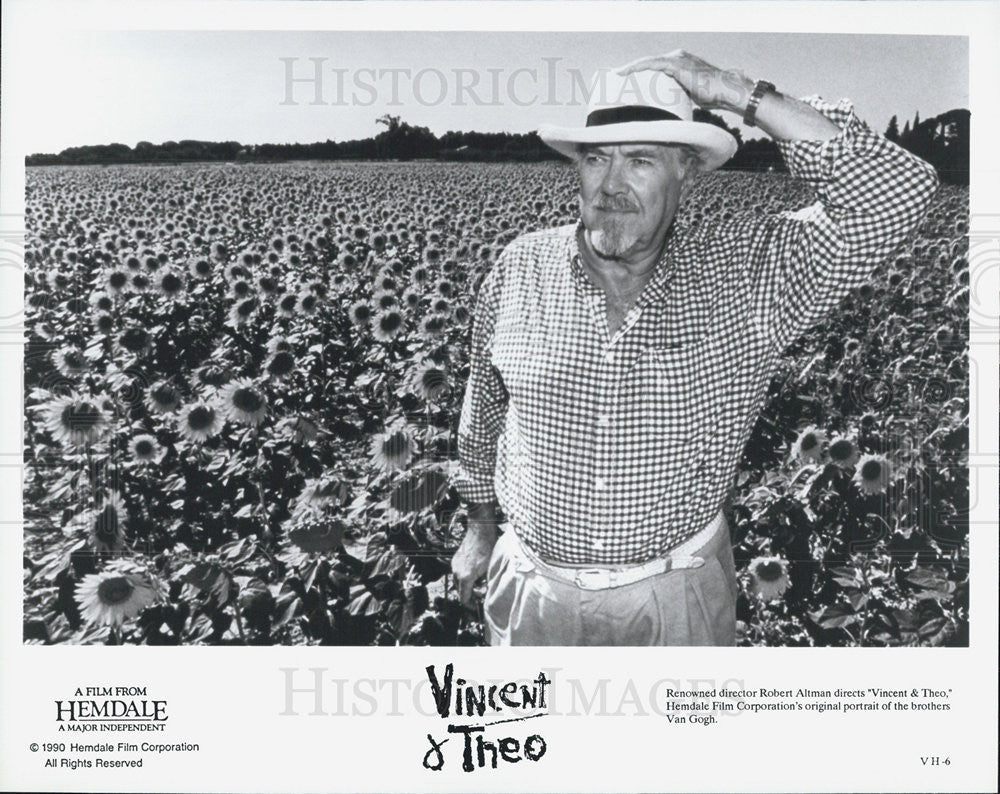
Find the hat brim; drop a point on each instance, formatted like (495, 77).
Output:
(713, 143)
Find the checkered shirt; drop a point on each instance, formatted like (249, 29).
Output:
(611, 449)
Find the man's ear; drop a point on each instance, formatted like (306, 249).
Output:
(687, 185)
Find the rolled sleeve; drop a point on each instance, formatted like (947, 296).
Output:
(871, 194)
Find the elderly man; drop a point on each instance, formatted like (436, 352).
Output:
(618, 364)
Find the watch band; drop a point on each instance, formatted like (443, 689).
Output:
(750, 114)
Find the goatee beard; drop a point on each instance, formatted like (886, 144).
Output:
(609, 242)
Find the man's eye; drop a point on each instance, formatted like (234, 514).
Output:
(592, 159)
(641, 161)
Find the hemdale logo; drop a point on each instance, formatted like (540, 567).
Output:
(111, 708)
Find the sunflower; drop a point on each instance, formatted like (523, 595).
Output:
(809, 445)
(307, 302)
(135, 339)
(104, 323)
(318, 494)
(118, 593)
(139, 282)
(441, 306)
(280, 364)
(288, 304)
(393, 448)
(420, 274)
(360, 312)
(117, 281)
(75, 420)
(868, 421)
(433, 326)
(278, 344)
(106, 524)
(871, 474)
(769, 577)
(241, 313)
(317, 288)
(213, 374)
(411, 298)
(168, 283)
(387, 325)
(236, 272)
(432, 255)
(102, 301)
(146, 449)
(843, 452)
(431, 381)
(200, 268)
(268, 285)
(70, 362)
(241, 288)
(445, 288)
(385, 300)
(311, 534)
(199, 421)
(244, 403)
(347, 262)
(162, 397)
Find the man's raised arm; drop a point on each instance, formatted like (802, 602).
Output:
(871, 195)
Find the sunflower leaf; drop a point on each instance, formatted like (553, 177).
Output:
(209, 578)
(417, 493)
(835, 616)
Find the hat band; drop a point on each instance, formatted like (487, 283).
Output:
(626, 113)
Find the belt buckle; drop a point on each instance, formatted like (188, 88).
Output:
(593, 578)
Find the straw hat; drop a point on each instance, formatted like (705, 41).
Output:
(642, 107)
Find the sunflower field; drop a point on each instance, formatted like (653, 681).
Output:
(243, 384)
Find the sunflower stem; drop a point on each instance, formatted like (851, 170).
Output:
(239, 621)
(265, 532)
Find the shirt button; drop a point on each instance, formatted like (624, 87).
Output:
(603, 420)
(598, 544)
(609, 356)
(600, 483)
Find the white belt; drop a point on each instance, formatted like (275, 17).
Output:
(602, 578)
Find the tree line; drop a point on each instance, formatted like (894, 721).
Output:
(942, 140)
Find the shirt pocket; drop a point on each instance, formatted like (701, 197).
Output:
(667, 394)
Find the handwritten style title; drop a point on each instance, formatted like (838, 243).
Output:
(456, 696)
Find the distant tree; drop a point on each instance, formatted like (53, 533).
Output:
(943, 141)
(892, 131)
(404, 141)
(705, 116)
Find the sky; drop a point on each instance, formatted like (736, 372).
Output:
(130, 86)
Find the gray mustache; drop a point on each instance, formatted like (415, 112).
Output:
(617, 206)
(620, 205)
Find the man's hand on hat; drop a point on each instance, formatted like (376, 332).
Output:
(708, 86)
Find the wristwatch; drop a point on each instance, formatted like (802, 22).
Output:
(749, 115)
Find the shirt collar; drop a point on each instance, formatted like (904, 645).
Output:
(656, 287)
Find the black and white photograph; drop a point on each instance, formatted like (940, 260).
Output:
(687, 367)
(614, 331)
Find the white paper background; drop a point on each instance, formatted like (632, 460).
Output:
(228, 700)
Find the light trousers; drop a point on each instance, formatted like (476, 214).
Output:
(684, 606)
